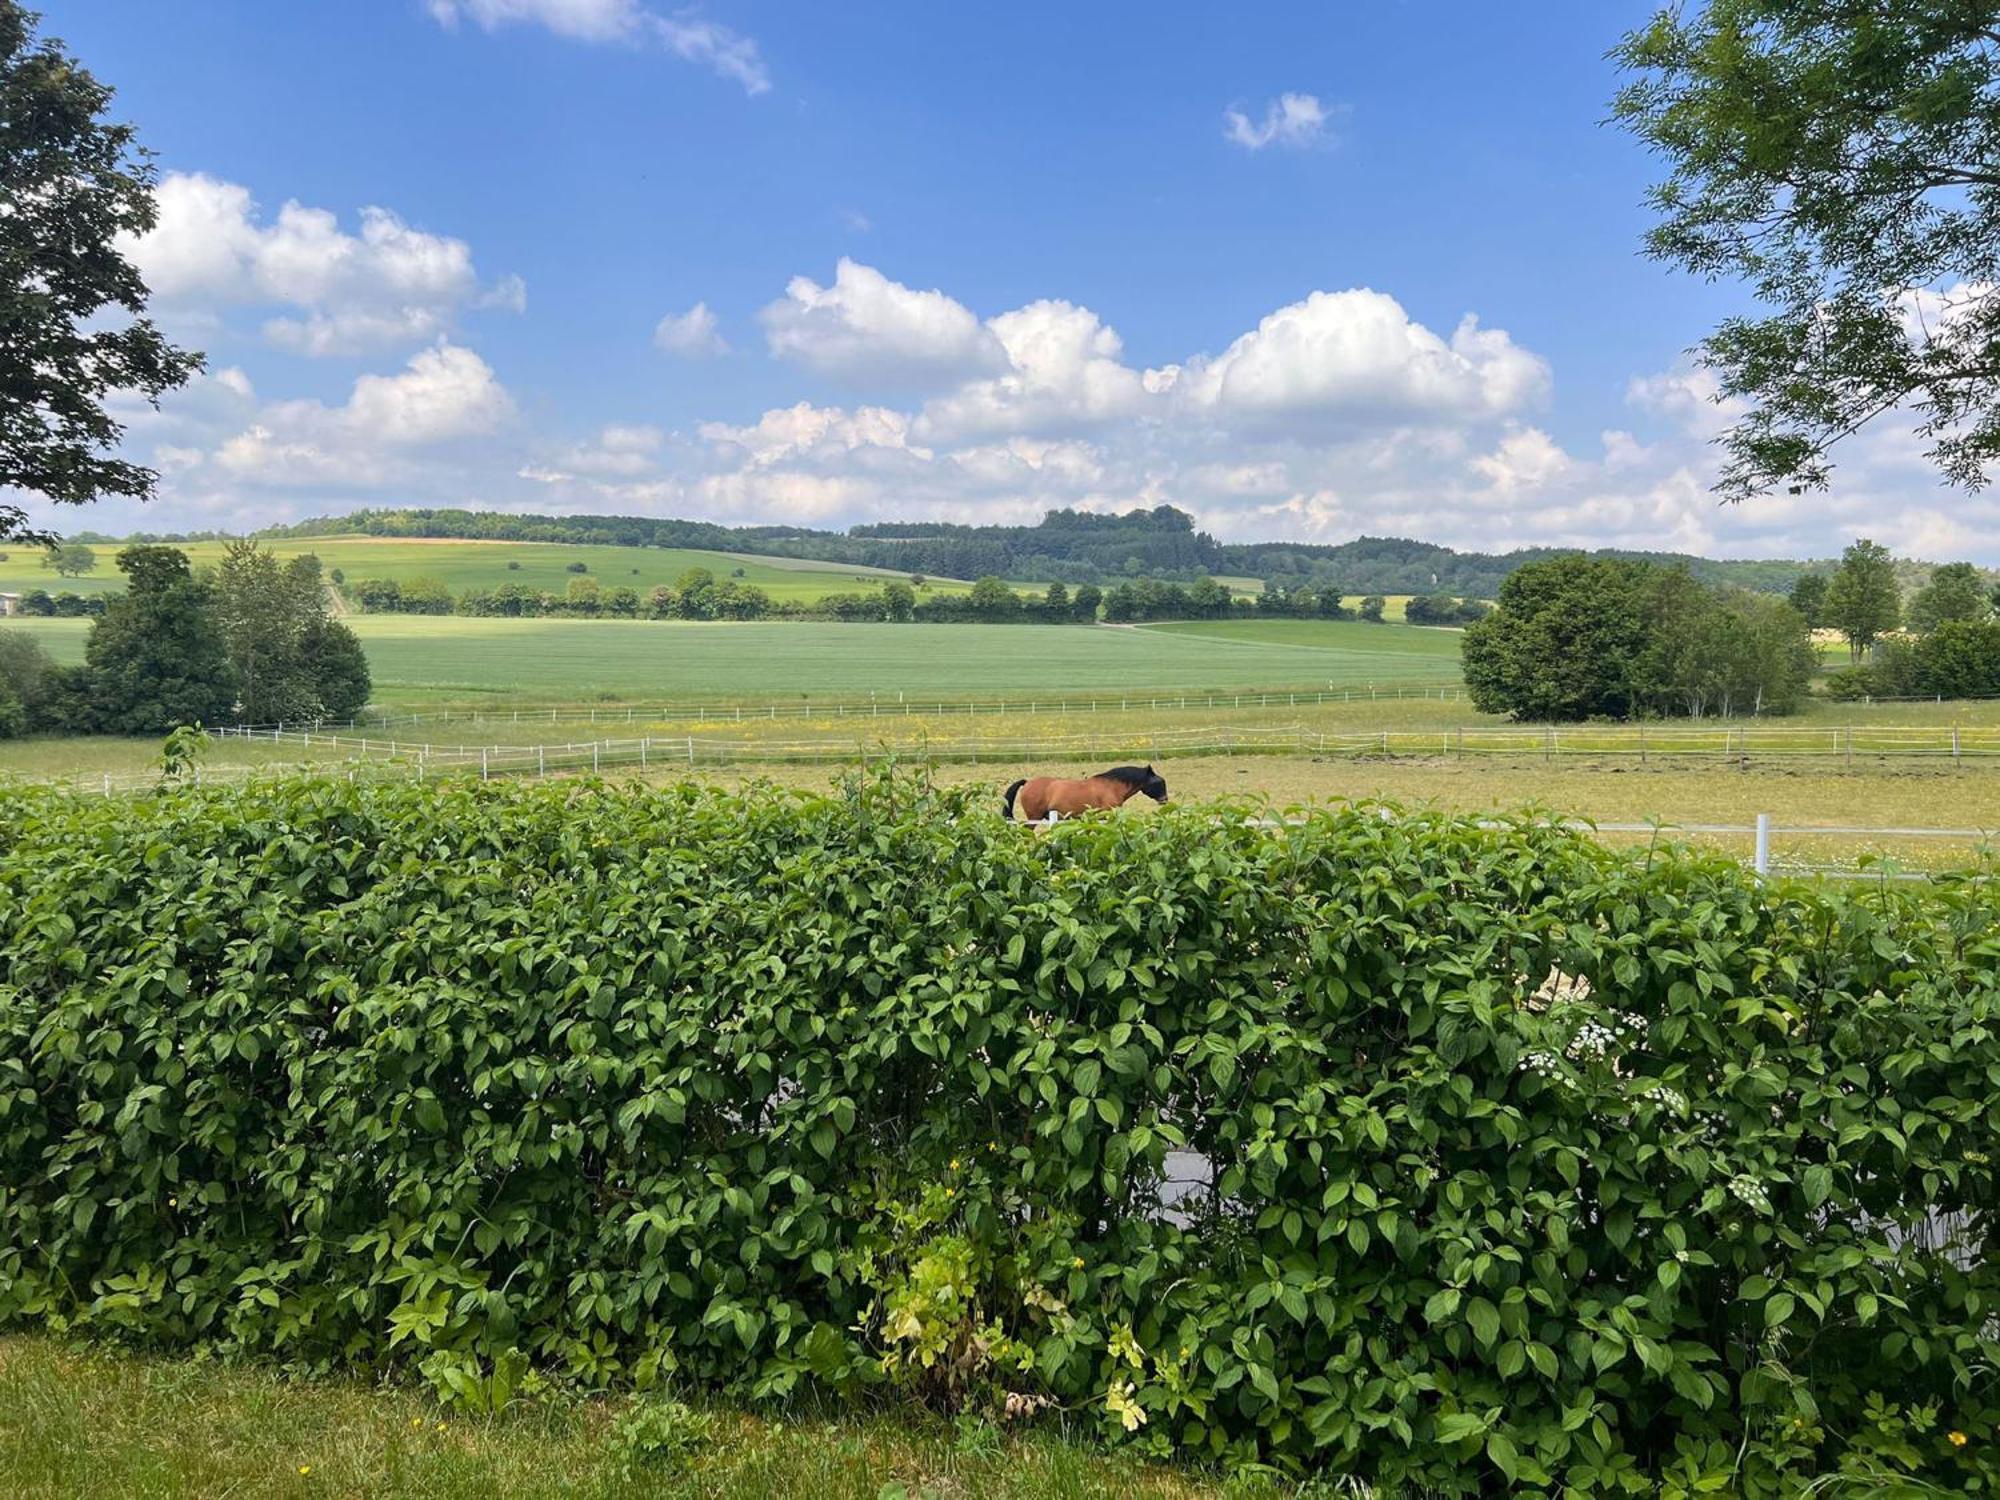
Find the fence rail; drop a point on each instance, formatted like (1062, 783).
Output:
(691, 710)
(1739, 744)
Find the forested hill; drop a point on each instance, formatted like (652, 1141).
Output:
(1394, 565)
(1071, 546)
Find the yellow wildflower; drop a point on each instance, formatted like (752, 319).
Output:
(1078, 1263)
(1956, 1438)
(305, 1468)
(954, 1164)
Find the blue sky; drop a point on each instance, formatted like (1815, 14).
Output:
(758, 263)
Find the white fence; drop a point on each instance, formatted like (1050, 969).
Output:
(1842, 744)
(899, 706)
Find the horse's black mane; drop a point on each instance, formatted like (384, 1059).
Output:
(1130, 775)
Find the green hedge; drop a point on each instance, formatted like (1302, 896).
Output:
(878, 1095)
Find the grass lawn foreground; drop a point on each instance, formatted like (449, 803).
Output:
(95, 1424)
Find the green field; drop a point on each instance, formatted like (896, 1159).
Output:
(422, 658)
(463, 565)
(878, 688)
(1353, 638)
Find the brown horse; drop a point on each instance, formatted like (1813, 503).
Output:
(1046, 798)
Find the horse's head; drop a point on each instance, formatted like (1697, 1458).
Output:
(1137, 779)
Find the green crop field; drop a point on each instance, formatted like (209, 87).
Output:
(421, 658)
(418, 657)
(463, 565)
(1346, 638)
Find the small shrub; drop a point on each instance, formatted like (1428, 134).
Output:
(660, 1437)
(513, 565)
(464, 1383)
(577, 567)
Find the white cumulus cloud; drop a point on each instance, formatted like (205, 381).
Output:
(724, 52)
(1289, 120)
(692, 334)
(1356, 356)
(867, 327)
(585, 20)
(387, 284)
(805, 430)
(443, 394)
(1064, 370)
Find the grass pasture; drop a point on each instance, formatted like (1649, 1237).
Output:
(463, 565)
(832, 691)
(97, 1425)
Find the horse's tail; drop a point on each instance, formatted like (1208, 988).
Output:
(1007, 805)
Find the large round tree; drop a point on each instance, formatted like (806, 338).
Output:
(72, 324)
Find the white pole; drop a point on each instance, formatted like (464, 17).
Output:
(1762, 860)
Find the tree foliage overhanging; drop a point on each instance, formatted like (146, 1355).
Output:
(1843, 159)
(72, 327)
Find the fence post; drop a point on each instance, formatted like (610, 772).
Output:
(690, 749)
(1761, 862)
(482, 763)
(643, 743)
(541, 760)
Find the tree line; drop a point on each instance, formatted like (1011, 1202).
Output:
(699, 595)
(1585, 637)
(1943, 642)
(252, 640)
